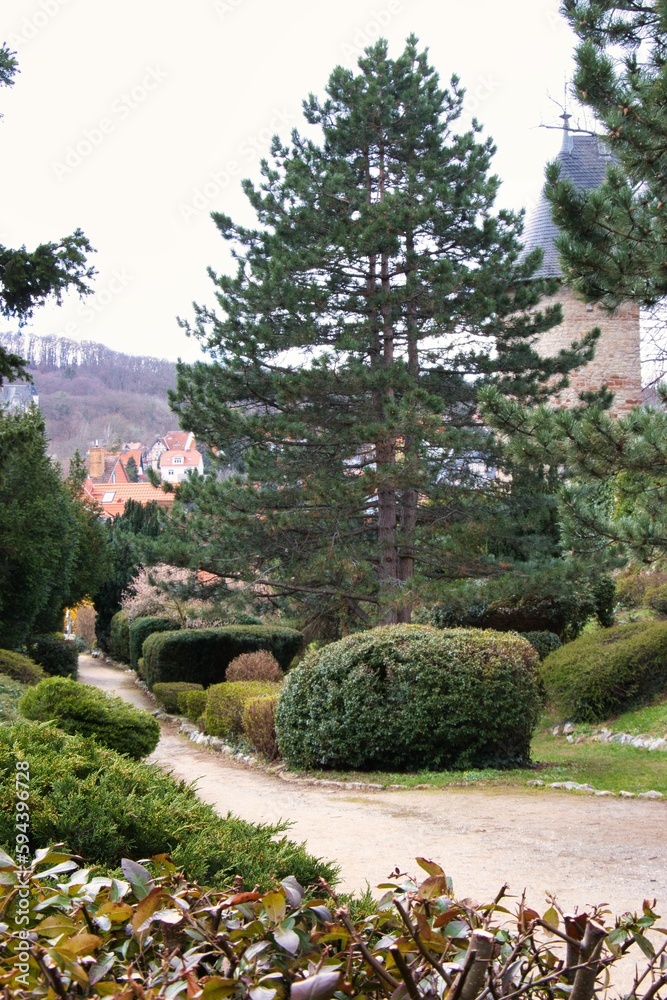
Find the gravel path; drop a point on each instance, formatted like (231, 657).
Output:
(583, 849)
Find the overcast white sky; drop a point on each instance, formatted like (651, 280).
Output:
(134, 119)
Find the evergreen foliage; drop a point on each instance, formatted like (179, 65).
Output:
(169, 693)
(106, 807)
(226, 703)
(202, 655)
(139, 631)
(408, 697)
(377, 294)
(20, 668)
(192, 703)
(259, 725)
(614, 243)
(131, 470)
(137, 521)
(119, 637)
(52, 549)
(59, 657)
(78, 709)
(607, 671)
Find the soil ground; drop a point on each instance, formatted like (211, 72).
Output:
(582, 849)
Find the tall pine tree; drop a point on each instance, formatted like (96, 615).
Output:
(377, 294)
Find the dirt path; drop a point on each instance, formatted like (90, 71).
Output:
(586, 850)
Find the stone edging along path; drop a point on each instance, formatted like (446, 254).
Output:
(192, 732)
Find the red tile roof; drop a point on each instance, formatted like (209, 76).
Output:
(112, 497)
(179, 440)
(189, 459)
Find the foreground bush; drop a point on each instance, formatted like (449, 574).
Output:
(105, 807)
(168, 694)
(58, 656)
(259, 666)
(20, 668)
(410, 697)
(203, 655)
(76, 708)
(607, 671)
(141, 628)
(119, 637)
(178, 939)
(259, 725)
(225, 704)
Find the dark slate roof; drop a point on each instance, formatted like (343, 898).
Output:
(583, 159)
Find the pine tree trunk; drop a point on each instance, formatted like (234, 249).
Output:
(410, 497)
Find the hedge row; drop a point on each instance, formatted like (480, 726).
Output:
(119, 637)
(141, 628)
(20, 668)
(202, 656)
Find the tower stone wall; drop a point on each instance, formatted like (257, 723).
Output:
(583, 160)
(617, 361)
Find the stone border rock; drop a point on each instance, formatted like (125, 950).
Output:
(609, 736)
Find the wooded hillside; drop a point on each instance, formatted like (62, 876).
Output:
(88, 392)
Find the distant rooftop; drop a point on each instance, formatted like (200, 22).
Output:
(584, 160)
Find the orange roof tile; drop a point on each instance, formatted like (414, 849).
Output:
(173, 457)
(112, 497)
(179, 440)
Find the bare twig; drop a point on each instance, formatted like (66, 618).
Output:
(372, 961)
(416, 936)
(408, 979)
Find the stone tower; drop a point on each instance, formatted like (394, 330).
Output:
(617, 361)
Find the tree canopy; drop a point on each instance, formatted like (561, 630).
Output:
(614, 242)
(378, 292)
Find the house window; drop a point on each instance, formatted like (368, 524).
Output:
(108, 496)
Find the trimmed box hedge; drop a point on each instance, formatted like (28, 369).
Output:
(408, 697)
(203, 655)
(168, 693)
(192, 704)
(86, 711)
(607, 671)
(141, 628)
(119, 637)
(226, 702)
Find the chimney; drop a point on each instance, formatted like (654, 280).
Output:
(96, 462)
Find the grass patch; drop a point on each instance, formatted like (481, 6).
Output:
(648, 721)
(606, 766)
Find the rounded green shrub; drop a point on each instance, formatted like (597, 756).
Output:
(544, 642)
(11, 692)
(225, 704)
(20, 668)
(77, 708)
(141, 628)
(105, 807)
(607, 671)
(192, 704)
(202, 655)
(119, 637)
(406, 697)
(58, 656)
(169, 693)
